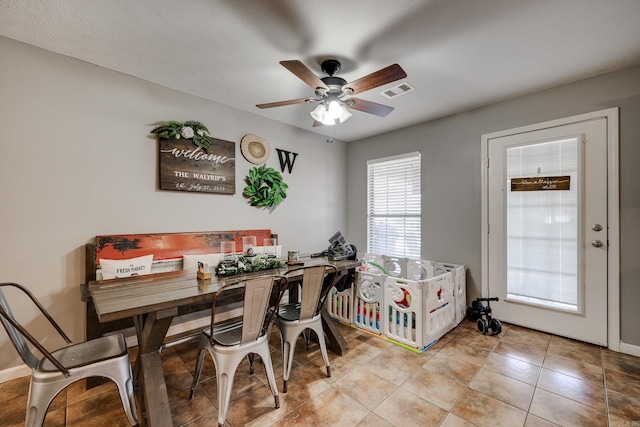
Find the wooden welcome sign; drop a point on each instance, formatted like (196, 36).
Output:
(541, 183)
(187, 167)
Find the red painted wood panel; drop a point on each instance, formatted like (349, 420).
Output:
(170, 245)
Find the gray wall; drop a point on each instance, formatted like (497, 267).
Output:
(451, 187)
(76, 161)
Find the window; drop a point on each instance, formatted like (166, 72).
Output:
(393, 206)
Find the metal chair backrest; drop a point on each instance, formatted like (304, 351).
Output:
(257, 300)
(19, 335)
(316, 282)
(14, 335)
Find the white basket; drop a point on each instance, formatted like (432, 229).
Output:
(459, 288)
(368, 302)
(339, 304)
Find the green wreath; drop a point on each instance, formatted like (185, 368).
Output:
(265, 187)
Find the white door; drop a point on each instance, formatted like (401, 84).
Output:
(547, 229)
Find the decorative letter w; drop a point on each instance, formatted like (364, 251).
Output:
(287, 159)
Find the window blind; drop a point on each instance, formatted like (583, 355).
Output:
(393, 206)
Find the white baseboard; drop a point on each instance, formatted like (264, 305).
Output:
(14, 373)
(633, 350)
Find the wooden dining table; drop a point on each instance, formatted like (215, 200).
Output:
(153, 301)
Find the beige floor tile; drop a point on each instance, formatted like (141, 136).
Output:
(513, 368)
(14, 410)
(535, 421)
(99, 408)
(460, 371)
(624, 406)
(513, 392)
(572, 388)
(404, 409)
(566, 412)
(257, 409)
(292, 419)
(363, 348)
(176, 374)
(485, 411)
(409, 357)
(183, 410)
(461, 351)
(58, 418)
(622, 383)
(340, 366)
(389, 367)
(373, 420)
(305, 383)
(624, 363)
(575, 367)
(78, 391)
(332, 408)
(365, 387)
(243, 383)
(208, 420)
(571, 349)
(435, 387)
(520, 335)
(452, 420)
(475, 339)
(527, 353)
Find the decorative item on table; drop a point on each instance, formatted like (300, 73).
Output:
(203, 270)
(248, 246)
(293, 258)
(248, 265)
(269, 245)
(228, 251)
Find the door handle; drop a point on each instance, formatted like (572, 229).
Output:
(597, 243)
(596, 227)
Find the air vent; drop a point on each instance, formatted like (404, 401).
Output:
(401, 89)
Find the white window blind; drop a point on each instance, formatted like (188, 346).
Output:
(393, 206)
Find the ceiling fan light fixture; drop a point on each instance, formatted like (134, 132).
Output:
(330, 113)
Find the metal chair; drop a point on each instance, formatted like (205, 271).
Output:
(106, 357)
(233, 339)
(304, 314)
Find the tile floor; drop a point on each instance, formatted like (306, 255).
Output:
(519, 378)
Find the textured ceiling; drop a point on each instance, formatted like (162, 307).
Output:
(458, 54)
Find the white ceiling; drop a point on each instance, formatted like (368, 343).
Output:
(458, 54)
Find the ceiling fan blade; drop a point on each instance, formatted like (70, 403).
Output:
(370, 107)
(317, 123)
(303, 73)
(379, 78)
(282, 103)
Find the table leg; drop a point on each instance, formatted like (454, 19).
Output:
(335, 340)
(150, 375)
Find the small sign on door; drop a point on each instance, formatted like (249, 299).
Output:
(541, 183)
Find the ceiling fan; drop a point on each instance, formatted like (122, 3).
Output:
(334, 95)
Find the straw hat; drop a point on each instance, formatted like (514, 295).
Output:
(255, 149)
